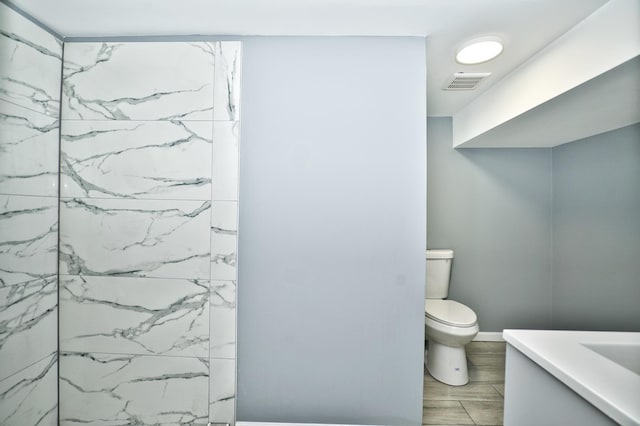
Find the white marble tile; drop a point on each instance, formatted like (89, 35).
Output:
(136, 159)
(223, 319)
(222, 391)
(223, 333)
(31, 64)
(224, 239)
(28, 152)
(223, 256)
(110, 390)
(224, 225)
(224, 217)
(134, 315)
(30, 397)
(28, 238)
(223, 294)
(226, 140)
(227, 80)
(28, 324)
(138, 81)
(147, 238)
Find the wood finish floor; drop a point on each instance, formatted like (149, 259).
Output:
(479, 402)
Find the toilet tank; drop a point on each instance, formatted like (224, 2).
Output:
(438, 271)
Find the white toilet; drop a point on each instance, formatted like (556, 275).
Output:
(449, 325)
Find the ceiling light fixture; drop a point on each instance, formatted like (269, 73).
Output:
(479, 50)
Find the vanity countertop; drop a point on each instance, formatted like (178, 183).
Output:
(570, 357)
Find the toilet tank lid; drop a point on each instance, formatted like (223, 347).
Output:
(439, 254)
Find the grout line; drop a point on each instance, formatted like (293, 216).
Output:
(172, 200)
(123, 120)
(465, 410)
(492, 386)
(31, 280)
(58, 230)
(55, 117)
(213, 127)
(136, 355)
(551, 244)
(138, 276)
(54, 353)
(193, 38)
(496, 389)
(55, 197)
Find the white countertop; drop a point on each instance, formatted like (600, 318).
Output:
(611, 388)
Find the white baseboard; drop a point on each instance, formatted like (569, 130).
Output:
(489, 336)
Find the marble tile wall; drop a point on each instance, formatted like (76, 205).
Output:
(224, 233)
(30, 76)
(148, 232)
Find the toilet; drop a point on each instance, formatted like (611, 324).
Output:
(449, 325)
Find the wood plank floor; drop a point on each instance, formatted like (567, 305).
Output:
(479, 402)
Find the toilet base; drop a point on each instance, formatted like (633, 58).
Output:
(447, 364)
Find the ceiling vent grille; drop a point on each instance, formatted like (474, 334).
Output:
(465, 80)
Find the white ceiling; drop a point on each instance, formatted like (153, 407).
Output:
(525, 26)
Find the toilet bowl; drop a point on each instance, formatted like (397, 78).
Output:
(449, 326)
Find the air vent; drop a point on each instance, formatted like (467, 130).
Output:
(465, 80)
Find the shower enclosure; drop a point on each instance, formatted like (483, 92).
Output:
(118, 229)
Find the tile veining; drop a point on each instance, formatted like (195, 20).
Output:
(27, 50)
(30, 79)
(183, 90)
(28, 323)
(148, 213)
(30, 396)
(150, 238)
(28, 152)
(135, 315)
(227, 82)
(28, 238)
(222, 391)
(223, 294)
(103, 389)
(28, 43)
(132, 159)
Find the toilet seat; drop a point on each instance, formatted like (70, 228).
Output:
(450, 312)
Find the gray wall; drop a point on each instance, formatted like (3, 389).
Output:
(596, 232)
(493, 208)
(332, 230)
(543, 238)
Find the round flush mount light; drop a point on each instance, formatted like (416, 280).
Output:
(478, 51)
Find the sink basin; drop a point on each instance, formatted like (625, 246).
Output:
(625, 355)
